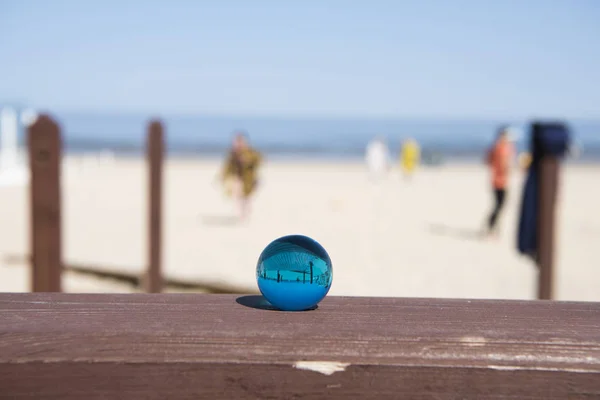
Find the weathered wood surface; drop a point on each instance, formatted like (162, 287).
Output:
(216, 346)
(44, 147)
(155, 148)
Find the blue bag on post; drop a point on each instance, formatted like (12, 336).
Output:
(547, 139)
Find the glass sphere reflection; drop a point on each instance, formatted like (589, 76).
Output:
(294, 273)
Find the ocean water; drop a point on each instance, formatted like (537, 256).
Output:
(292, 296)
(295, 137)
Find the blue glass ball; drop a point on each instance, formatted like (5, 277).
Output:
(294, 273)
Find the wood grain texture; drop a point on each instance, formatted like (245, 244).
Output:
(217, 346)
(153, 281)
(44, 147)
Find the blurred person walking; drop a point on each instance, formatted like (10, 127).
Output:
(377, 158)
(240, 172)
(410, 156)
(499, 159)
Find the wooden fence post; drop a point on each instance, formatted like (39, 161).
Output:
(44, 145)
(548, 184)
(153, 281)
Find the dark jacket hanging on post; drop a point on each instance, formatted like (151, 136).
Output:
(547, 140)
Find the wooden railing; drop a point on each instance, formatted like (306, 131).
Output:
(160, 346)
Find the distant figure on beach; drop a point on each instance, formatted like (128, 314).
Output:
(410, 157)
(240, 171)
(499, 159)
(378, 158)
(524, 160)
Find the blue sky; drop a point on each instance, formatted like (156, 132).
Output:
(377, 58)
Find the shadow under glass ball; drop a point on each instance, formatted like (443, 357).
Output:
(294, 273)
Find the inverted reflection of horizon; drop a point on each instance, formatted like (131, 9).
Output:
(322, 279)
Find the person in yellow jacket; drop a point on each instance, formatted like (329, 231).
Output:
(410, 157)
(240, 171)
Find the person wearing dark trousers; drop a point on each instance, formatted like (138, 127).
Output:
(499, 159)
(499, 196)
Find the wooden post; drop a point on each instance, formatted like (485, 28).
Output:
(45, 230)
(548, 183)
(153, 282)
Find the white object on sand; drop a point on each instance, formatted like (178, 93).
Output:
(377, 158)
(12, 169)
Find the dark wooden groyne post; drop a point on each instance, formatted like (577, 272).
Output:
(153, 281)
(44, 144)
(548, 186)
(550, 143)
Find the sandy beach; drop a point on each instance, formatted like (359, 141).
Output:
(394, 238)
